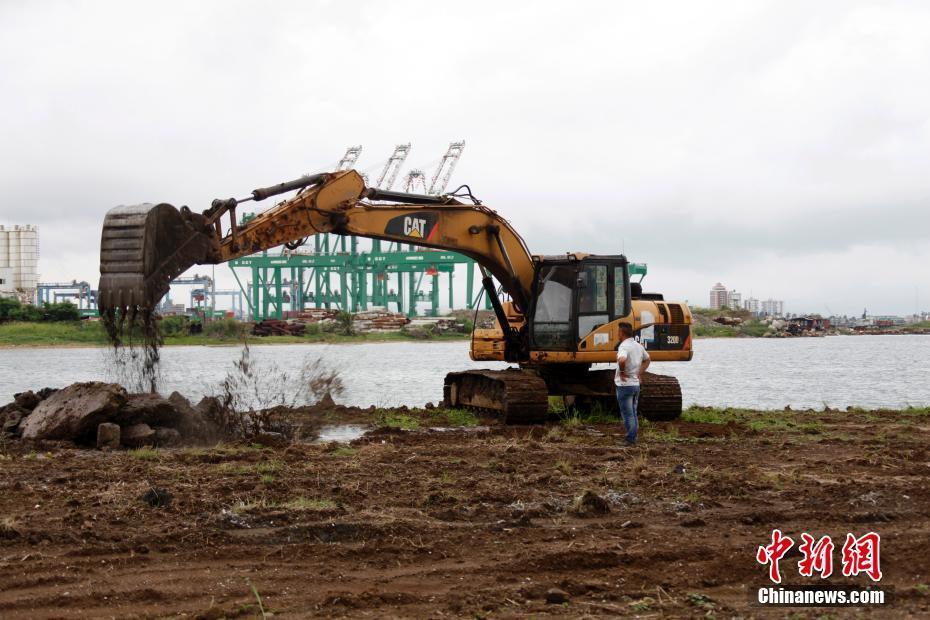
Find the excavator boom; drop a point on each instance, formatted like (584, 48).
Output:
(145, 246)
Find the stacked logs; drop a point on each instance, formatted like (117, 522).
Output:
(277, 327)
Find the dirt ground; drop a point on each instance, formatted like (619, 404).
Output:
(479, 521)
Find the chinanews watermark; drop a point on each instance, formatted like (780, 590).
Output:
(859, 557)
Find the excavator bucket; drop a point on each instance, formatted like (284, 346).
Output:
(143, 248)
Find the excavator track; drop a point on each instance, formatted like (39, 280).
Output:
(517, 396)
(659, 398)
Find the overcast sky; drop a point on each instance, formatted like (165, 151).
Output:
(781, 148)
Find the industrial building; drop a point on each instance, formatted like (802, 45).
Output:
(19, 261)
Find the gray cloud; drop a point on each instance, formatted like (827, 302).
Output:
(755, 134)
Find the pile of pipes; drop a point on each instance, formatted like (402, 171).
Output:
(379, 320)
(277, 327)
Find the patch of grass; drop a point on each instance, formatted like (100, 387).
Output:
(220, 332)
(666, 433)
(18, 333)
(144, 454)
(460, 417)
(922, 589)
(304, 503)
(706, 415)
(236, 469)
(564, 467)
(252, 504)
(267, 478)
(556, 405)
(643, 604)
(570, 419)
(268, 467)
(393, 419)
(258, 599)
(343, 451)
(701, 600)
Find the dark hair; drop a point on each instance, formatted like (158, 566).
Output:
(626, 328)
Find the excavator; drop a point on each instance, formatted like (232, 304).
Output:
(556, 316)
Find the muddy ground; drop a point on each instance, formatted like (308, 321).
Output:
(478, 521)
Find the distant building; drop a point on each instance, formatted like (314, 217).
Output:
(773, 307)
(751, 305)
(734, 300)
(718, 297)
(19, 261)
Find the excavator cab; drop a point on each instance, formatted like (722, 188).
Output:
(574, 295)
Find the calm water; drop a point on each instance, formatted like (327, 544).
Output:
(868, 371)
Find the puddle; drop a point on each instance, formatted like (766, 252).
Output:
(342, 433)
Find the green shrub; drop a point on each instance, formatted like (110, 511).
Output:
(224, 328)
(178, 325)
(63, 311)
(12, 310)
(344, 321)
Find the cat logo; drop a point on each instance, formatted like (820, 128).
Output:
(414, 227)
(417, 225)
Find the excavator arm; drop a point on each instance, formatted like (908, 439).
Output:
(143, 248)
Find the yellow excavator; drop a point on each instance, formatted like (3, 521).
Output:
(560, 314)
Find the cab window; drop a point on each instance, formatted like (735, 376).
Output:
(619, 292)
(552, 321)
(593, 289)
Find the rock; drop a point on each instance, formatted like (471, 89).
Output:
(695, 522)
(74, 412)
(156, 497)
(150, 409)
(555, 596)
(108, 435)
(138, 435)
(167, 437)
(46, 392)
(11, 416)
(27, 400)
(590, 503)
(191, 422)
(679, 469)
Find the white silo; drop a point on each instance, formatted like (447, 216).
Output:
(19, 261)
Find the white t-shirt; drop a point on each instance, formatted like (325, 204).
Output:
(633, 354)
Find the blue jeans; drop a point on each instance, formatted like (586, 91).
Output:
(628, 399)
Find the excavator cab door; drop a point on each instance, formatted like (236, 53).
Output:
(573, 297)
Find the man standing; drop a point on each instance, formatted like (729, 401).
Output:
(632, 362)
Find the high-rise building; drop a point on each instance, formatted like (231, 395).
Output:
(773, 307)
(718, 296)
(734, 300)
(751, 305)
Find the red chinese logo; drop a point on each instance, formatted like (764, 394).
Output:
(859, 555)
(772, 553)
(817, 556)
